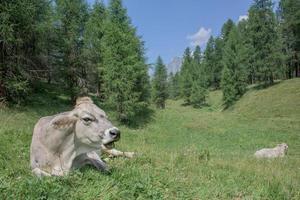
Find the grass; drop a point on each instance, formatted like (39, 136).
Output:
(184, 153)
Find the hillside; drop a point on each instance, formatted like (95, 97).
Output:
(281, 101)
(184, 153)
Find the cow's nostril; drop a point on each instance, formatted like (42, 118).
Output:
(114, 132)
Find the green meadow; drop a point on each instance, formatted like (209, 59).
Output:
(182, 152)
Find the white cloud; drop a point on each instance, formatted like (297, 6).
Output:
(243, 17)
(201, 37)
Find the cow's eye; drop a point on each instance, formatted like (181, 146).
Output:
(87, 120)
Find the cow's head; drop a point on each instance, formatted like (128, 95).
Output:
(90, 124)
(284, 147)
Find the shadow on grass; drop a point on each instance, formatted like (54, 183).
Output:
(265, 86)
(89, 167)
(49, 99)
(141, 119)
(198, 106)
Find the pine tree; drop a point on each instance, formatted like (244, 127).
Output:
(197, 57)
(94, 48)
(72, 18)
(126, 81)
(199, 86)
(248, 62)
(185, 76)
(264, 36)
(160, 91)
(218, 65)
(209, 60)
(289, 11)
(226, 29)
(233, 75)
(174, 85)
(22, 30)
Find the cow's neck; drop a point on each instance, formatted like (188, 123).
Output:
(68, 153)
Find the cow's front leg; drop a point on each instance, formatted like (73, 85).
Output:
(97, 162)
(116, 153)
(40, 173)
(93, 159)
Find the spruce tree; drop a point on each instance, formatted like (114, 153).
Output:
(160, 90)
(197, 57)
(94, 48)
(226, 29)
(72, 17)
(209, 60)
(233, 76)
(199, 86)
(264, 36)
(289, 13)
(24, 28)
(218, 65)
(186, 76)
(126, 81)
(174, 85)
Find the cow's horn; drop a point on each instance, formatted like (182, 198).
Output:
(81, 100)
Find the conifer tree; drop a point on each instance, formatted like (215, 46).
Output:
(289, 13)
(174, 85)
(94, 48)
(72, 18)
(197, 57)
(160, 91)
(218, 65)
(186, 76)
(226, 29)
(233, 75)
(243, 29)
(199, 85)
(263, 31)
(209, 60)
(126, 81)
(22, 30)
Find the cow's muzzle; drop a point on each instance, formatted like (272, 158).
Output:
(115, 133)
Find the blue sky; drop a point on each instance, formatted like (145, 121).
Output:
(169, 26)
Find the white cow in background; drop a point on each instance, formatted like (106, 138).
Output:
(279, 151)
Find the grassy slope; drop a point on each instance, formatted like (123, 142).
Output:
(185, 153)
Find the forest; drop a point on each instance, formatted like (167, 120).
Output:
(96, 50)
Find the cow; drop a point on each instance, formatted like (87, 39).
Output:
(70, 140)
(279, 151)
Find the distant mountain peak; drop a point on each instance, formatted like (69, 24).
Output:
(175, 65)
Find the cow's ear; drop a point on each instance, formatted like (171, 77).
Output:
(64, 121)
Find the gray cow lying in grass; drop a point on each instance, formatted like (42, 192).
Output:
(279, 151)
(73, 139)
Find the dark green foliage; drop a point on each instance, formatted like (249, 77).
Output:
(174, 86)
(72, 16)
(94, 48)
(198, 93)
(159, 84)
(249, 50)
(22, 31)
(126, 82)
(197, 57)
(263, 31)
(210, 60)
(185, 75)
(193, 79)
(289, 14)
(199, 80)
(226, 29)
(234, 74)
